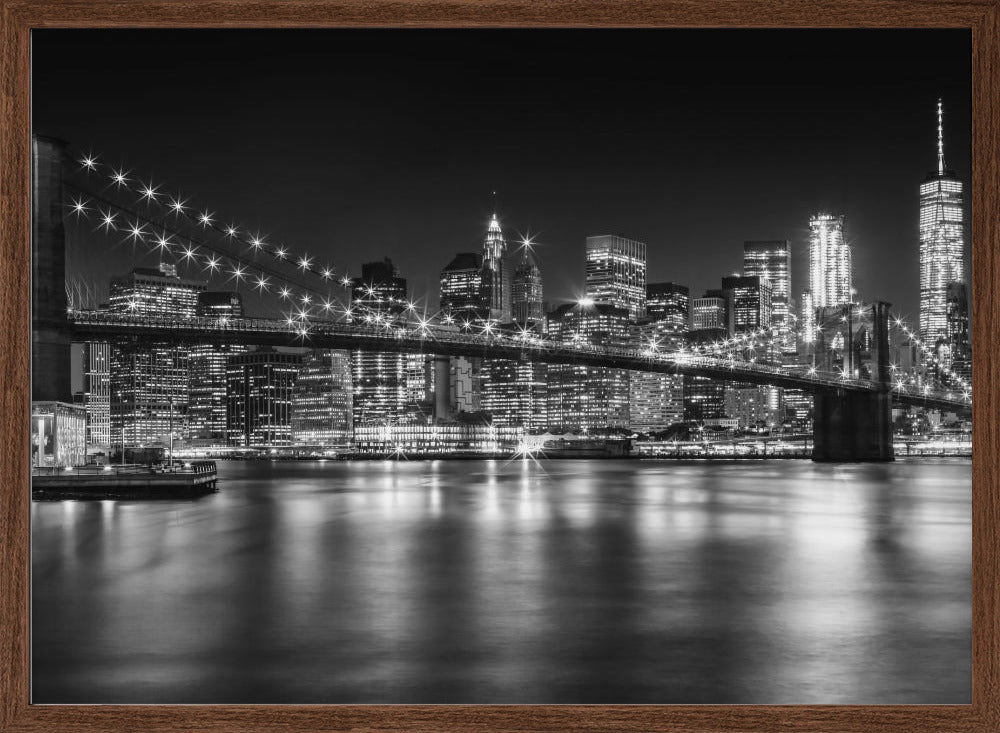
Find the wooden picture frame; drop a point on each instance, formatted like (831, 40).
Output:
(19, 17)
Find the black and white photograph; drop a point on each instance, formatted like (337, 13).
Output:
(501, 366)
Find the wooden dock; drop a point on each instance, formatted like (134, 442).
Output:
(182, 480)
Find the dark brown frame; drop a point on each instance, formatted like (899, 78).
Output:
(18, 17)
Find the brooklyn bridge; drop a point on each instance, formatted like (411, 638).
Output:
(853, 389)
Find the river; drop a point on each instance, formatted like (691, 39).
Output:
(606, 581)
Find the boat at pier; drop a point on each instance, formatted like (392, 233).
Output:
(129, 481)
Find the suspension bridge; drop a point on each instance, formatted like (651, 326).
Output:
(853, 393)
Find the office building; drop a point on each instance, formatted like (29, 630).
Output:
(462, 297)
(616, 273)
(956, 353)
(496, 273)
(749, 297)
(669, 303)
(656, 400)
(585, 397)
(831, 280)
(528, 305)
(942, 244)
(515, 392)
(322, 406)
(710, 313)
(206, 413)
(771, 261)
(387, 387)
(97, 392)
(705, 398)
(259, 387)
(149, 382)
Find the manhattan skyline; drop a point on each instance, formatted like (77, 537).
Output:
(402, 160)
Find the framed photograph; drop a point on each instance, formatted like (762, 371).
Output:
(499, 365)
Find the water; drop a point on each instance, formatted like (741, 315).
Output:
(486, 581)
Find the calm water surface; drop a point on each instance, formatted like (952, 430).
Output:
(474, 582)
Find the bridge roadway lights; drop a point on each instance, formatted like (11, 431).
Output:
(50, 331)
(852, 426)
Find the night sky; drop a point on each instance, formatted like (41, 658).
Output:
(354, 145)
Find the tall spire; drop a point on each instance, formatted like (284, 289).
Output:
(940, 139)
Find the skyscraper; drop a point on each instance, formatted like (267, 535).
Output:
(668, 303)
(710, 312)
(149, 383)
(496, 273)
(749, 298)
(97, 392)
(206, 414)
(616, 273)
(259, 397)
(388, 387)
(584, 396)
(831, 281)
(958, 352)
(941, 243)
(527, 302)
(321, 400)
(656, 400)
(771, 261)
(515, 392)
(462, 295)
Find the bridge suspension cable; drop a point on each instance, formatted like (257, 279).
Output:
(206, 219)
(931, 359)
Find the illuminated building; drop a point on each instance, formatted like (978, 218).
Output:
(616, 273)
(528, 307)
(941, 244)
(97, 392)
(771, 261)
(515, 392)
(462, 296)
(808, 318)
(749, 405)
(668, 303)
(957, 351)
(206, 413)
(387, 387)
(259, 386)
(322, 406)
(583, 396)
(378, 291)
(798, 408)
(58, 434)
(496, 273)
(461, 437)
(705, 398)
(149, 383)
(750, 300)
(749, 297)
(656, 400)
(831, 281)
(710, 312)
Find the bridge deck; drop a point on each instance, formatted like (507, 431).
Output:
(450, 341)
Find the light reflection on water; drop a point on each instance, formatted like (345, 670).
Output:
(523, 582)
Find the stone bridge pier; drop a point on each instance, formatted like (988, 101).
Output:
(857, 426)
(50, 335)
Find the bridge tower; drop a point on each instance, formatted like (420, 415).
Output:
(50, 335)
(857, 426)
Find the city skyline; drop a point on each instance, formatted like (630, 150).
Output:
(486, 366)
(686, 235)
